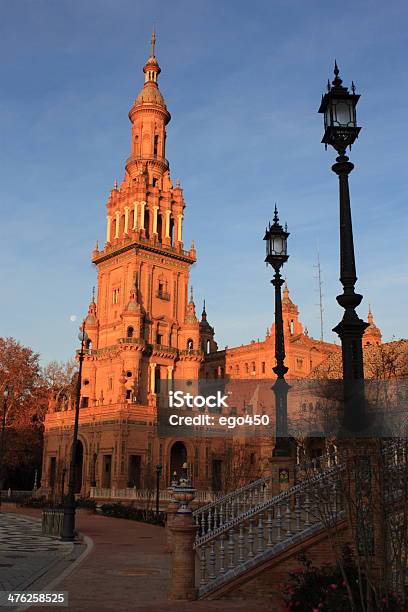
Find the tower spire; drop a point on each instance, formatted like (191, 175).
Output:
(153, 43)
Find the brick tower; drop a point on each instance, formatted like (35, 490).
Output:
(142, 327)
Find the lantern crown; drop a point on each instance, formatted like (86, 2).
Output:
(276, 242)
(339, 108)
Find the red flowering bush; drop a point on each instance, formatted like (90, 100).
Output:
(324, 589)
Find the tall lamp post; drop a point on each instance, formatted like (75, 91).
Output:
(338, 106)
(68, 528)
(6, 394)
(158, 474)
(276, 255)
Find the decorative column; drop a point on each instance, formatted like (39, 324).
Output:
(170, 370)
(155, 209)
(152, 376)
(167, 228)
(126, 219)
(180, 228)
(142, 215)
(117, 217)
(108, 227)
(183, 530)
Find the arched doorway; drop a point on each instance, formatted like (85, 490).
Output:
(79, 461)
(178, 456)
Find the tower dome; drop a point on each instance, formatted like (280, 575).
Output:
(372, 334)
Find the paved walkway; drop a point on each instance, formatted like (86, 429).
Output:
(127, 569)
(29, 560)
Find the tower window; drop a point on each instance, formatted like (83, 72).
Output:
(156, 145)
(115, 296)
(190, 344)
(154, 181)
(85, 402)
(129, 332)
(292, 327)
(263, 367)
(128, 394)
(159, 338)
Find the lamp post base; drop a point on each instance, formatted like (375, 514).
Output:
(68, 526)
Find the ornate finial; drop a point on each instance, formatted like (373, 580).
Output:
(153, 43)
(286, 227)
(204, 313)
(370, 314)
(191, 294)
(93, 294)
(115, 185)
(96, 246)
(275, 215)
(337, 80)
(192, 247)
(178, 183)
(353, 88)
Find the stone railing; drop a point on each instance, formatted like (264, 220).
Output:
(144, 495)
(231, 505)
(229, 546)
(52, 521)
(261, 532)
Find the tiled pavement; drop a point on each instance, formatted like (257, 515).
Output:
(29, 560)
(127, 569)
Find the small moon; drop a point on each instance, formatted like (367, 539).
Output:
(73, 318)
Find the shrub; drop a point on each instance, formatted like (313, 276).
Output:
(118, 510)
(86, 502)
(324, 589)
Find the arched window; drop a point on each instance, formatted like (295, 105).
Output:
(246, 368)
(147, 223)
(88, 344)
(208, 346)
(129, 332)
(190, 344)
(160, 227)
(156, 145)
(292, 327)
(171, 231)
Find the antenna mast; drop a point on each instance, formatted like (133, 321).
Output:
(320, 285)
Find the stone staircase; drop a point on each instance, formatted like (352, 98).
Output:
(249, 527)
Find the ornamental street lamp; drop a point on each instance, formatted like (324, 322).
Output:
(94, 459)
(276, 256)
(6, 394)
(64, 472)
(158, 474)
(338, 106)
(68, 528)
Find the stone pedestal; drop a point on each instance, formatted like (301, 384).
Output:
(283, 474)
(171, 512)
(183, 530)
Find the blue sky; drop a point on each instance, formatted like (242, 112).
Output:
(243, 82)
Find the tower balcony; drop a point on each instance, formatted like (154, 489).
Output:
(133, 163)
(135, 239)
